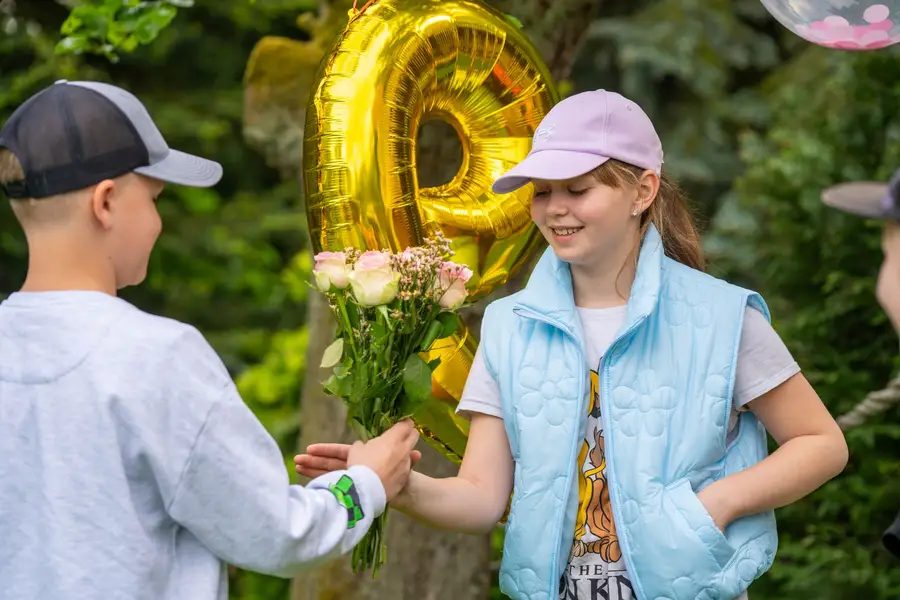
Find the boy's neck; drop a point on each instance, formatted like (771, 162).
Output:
(53, 267)
(41, 283)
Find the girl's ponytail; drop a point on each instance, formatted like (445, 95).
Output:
(669, 212)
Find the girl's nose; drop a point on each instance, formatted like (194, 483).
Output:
(557, 204)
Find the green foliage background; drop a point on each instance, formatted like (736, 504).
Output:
(834, 118)
(755, 123)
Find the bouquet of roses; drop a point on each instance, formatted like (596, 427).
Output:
(390, 309)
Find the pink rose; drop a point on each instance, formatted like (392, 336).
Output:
(373, 280)
(372, 260)
(452, 282)
(331, 270)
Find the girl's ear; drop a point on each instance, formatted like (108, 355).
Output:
(648, 187)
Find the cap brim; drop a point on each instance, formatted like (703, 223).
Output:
(552, 165)
(862, 198)
(181, 168)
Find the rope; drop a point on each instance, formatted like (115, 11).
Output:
(874, 403)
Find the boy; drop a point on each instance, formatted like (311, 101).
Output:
(877, 200)
(131, 467)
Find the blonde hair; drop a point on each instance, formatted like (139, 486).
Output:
(46, 210)
(10, 167)
(669, 212)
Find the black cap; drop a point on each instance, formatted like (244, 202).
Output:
(872, 199)
(73, 135)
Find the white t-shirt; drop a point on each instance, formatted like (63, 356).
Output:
(596, 569)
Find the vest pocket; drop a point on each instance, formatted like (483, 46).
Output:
(686, 503)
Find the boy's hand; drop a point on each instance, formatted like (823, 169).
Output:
(390, 455)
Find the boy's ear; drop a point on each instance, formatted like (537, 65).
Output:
(102, 203)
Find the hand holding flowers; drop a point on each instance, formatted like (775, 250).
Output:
(390, 308)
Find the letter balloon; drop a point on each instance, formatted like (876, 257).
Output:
(397, 64)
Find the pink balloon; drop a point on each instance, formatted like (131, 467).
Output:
(845, 25)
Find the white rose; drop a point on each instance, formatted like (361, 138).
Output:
(372, 279)
(331, 270)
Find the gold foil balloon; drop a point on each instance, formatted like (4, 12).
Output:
(397, 64)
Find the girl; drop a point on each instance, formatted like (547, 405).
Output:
(623, 396)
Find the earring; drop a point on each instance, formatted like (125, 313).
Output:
(635, 212)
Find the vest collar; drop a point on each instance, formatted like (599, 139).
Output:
(550, 295)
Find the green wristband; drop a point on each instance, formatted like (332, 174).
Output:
(345, 492)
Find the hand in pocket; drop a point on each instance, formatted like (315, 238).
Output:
(715, 499)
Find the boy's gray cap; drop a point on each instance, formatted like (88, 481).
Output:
(75, 134)
(872, 199)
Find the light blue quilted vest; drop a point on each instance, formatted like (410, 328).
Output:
(666, 385)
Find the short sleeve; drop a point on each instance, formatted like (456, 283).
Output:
(481, 393)
(764, 361)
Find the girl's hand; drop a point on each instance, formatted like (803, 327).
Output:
(321, 459)
(325, 458)
(811, 450)
(717, 505)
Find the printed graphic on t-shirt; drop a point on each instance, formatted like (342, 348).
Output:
(596, 570)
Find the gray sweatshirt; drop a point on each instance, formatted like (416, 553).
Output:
(130, 468)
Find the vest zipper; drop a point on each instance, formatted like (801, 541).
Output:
(573, 452)
(610, 451)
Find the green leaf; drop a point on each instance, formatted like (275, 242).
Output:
(361, 432)
(513, 20)
(73, 45)
(434, 330)
(182, 3)
(383, 311)
(416, 382)
(146, 31)
(379, 330)
(117, 34)
(94, 20)
(338, 386)
(353, 314)
(333, 353)
(129, 43)
(164, 15)
(70, 25)
(434, 364)
(449, 324)
(343, 369)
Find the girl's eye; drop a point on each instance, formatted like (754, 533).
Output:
(577, 192)
(539, 193)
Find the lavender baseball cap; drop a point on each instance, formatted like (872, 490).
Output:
(581, 133)
(871, 199)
